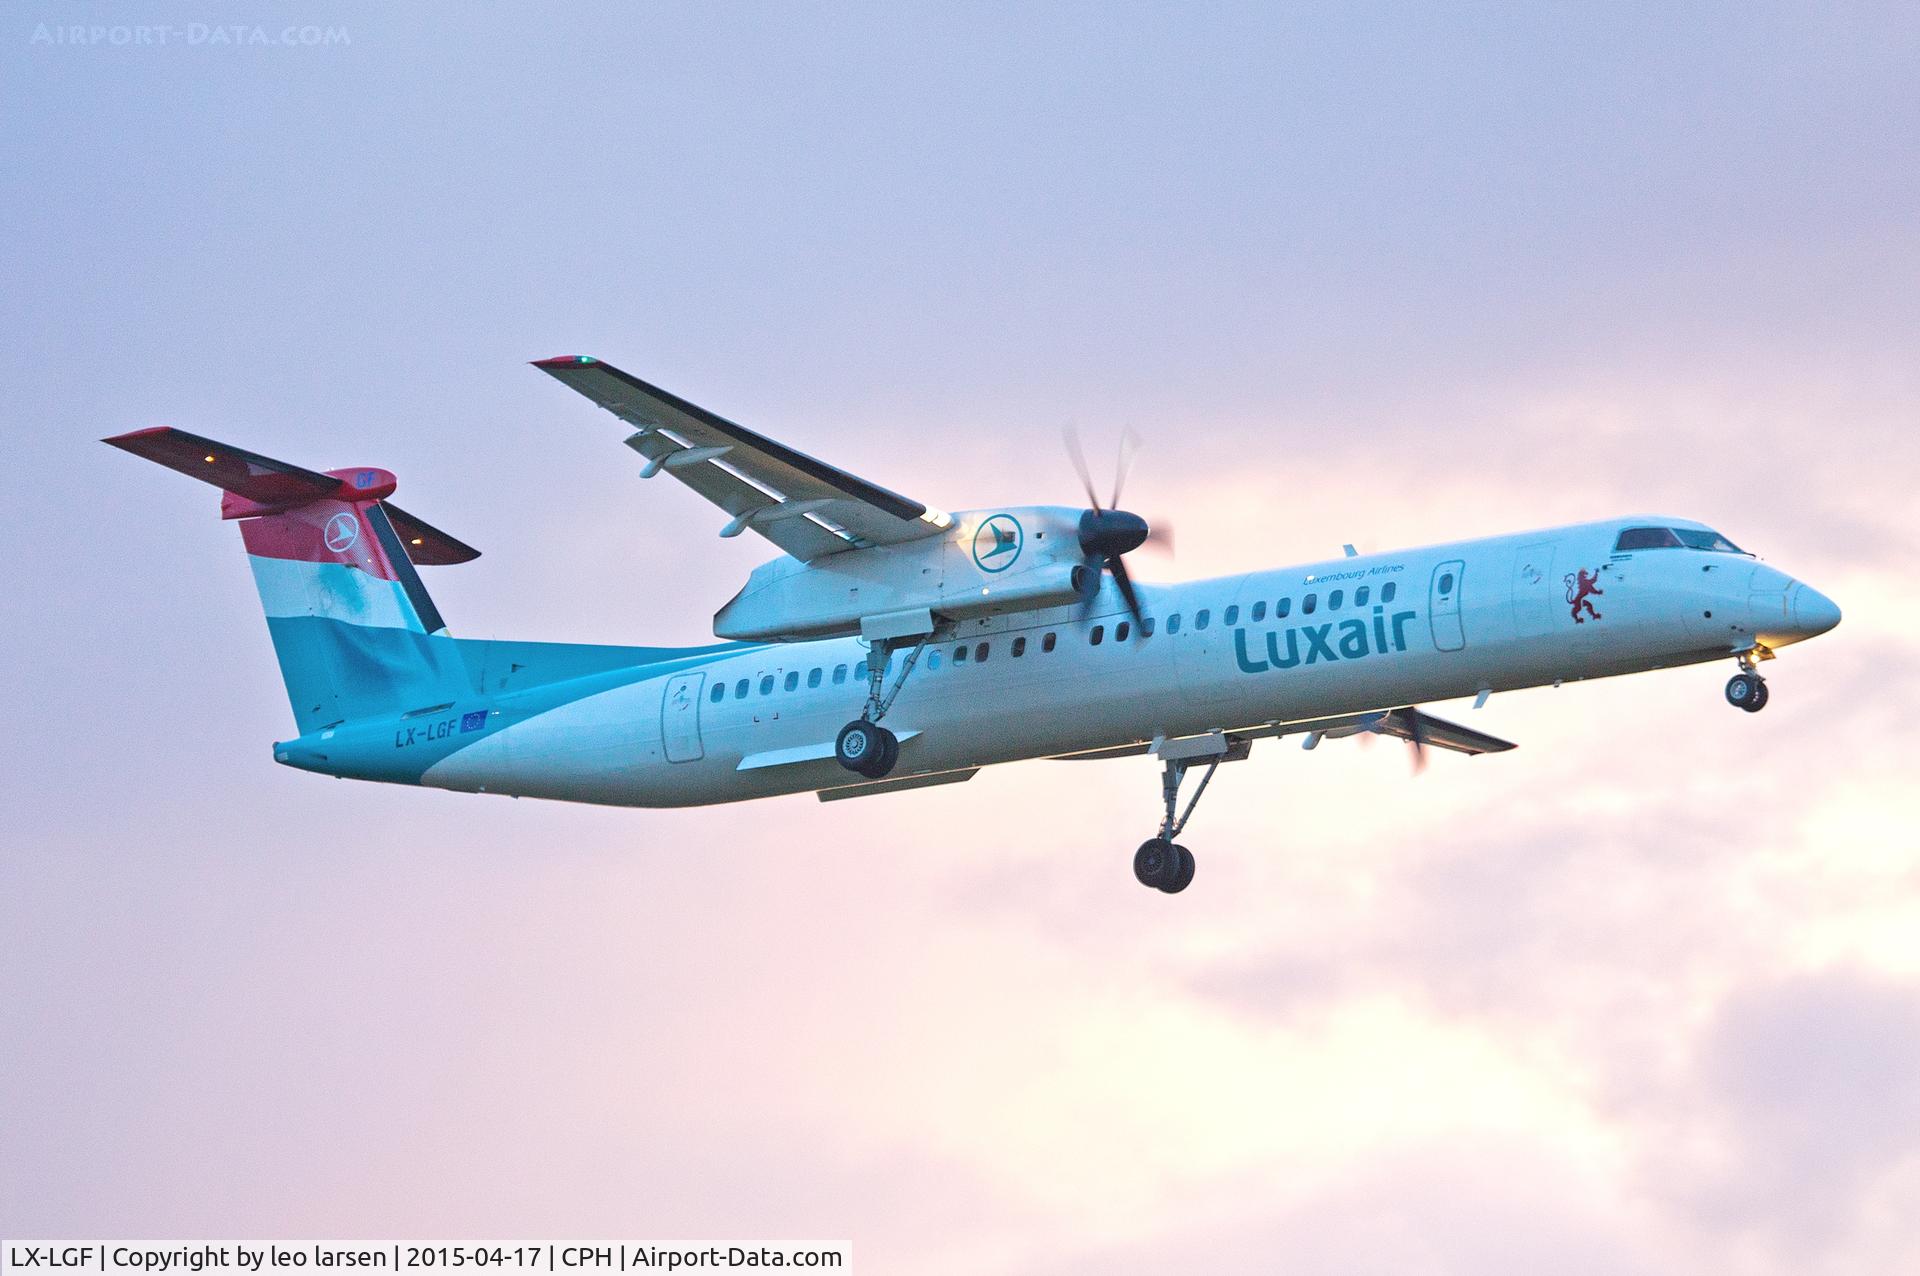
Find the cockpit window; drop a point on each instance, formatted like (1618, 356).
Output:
(1696, 538)
(1646, 538)
(1674, 538)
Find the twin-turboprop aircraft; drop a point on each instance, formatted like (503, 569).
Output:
(892, 646)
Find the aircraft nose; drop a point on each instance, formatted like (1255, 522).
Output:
(1813, 612)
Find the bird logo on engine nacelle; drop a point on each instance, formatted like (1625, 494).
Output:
(997, 542)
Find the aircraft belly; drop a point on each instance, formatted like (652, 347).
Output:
(598, 748)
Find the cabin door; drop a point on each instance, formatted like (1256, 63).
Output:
(1443, 605)
(680, 718)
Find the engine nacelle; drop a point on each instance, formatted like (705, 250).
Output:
(988, 563)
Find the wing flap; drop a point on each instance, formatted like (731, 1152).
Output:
(745, 472)
(802, 537)
(896, 786)
(1401, 724)
(1417, 724)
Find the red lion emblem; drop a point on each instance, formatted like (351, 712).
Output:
(1579, 589)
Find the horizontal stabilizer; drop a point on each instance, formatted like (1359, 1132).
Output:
(260, 479)
(426, 544)
(258, 485)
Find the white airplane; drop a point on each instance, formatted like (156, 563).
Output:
(977, 638)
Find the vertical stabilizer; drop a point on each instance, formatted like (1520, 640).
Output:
(356, 634)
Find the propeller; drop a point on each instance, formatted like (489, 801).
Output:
(1107, 533)
(1413, 721)
(1416, 738)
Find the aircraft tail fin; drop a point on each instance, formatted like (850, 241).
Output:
(334, 561)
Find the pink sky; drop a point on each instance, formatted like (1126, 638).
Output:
(1641, 997)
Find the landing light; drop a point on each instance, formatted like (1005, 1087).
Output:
(416, 541)
(209, 460)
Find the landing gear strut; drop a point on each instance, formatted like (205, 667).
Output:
(1747, 689)
(1160, 862)
(864, 746)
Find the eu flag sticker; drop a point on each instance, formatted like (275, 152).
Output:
(473, 721)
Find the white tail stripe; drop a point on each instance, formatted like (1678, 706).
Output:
(333, 591)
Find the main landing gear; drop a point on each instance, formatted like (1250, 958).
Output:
(864, 746)
(1161, 862)
(1747, 689)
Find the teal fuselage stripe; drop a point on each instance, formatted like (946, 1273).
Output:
(346, 676)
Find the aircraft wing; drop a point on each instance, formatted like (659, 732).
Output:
(1402, 724)
(806, 507)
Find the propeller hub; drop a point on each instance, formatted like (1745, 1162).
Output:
(1110, 533)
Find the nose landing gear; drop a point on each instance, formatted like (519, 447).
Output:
(1747, 689)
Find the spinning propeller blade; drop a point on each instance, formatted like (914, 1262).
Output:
(1071, 437)
(1118, 566)
(1108, 533)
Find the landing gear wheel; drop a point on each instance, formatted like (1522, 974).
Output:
(1184, 877)
(1158, 864)
(866, 748)
(1747, 691)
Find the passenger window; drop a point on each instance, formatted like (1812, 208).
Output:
(719, 692)
(960, 654)
(980, 654)
(766, 685)
(1232, 616)
(933, 661)
(1282, 608)
(1099, 632)
(1387, 592)
(1146, 626)
(1019, 647)
(1121, 630)
(1046, 643)
(740, 689)
(1259, 611)
(813, 677)
(1173, 623)
(1334, 599)
(860, 671)
(1360, 595)
(793, 680)
(839, 674)
(1308, 603)
(1446, 582)
(1201, 617)
(1646, 538)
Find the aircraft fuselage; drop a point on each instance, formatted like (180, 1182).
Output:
(1296, 643)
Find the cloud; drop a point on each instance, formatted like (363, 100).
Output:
(1805, 1093)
